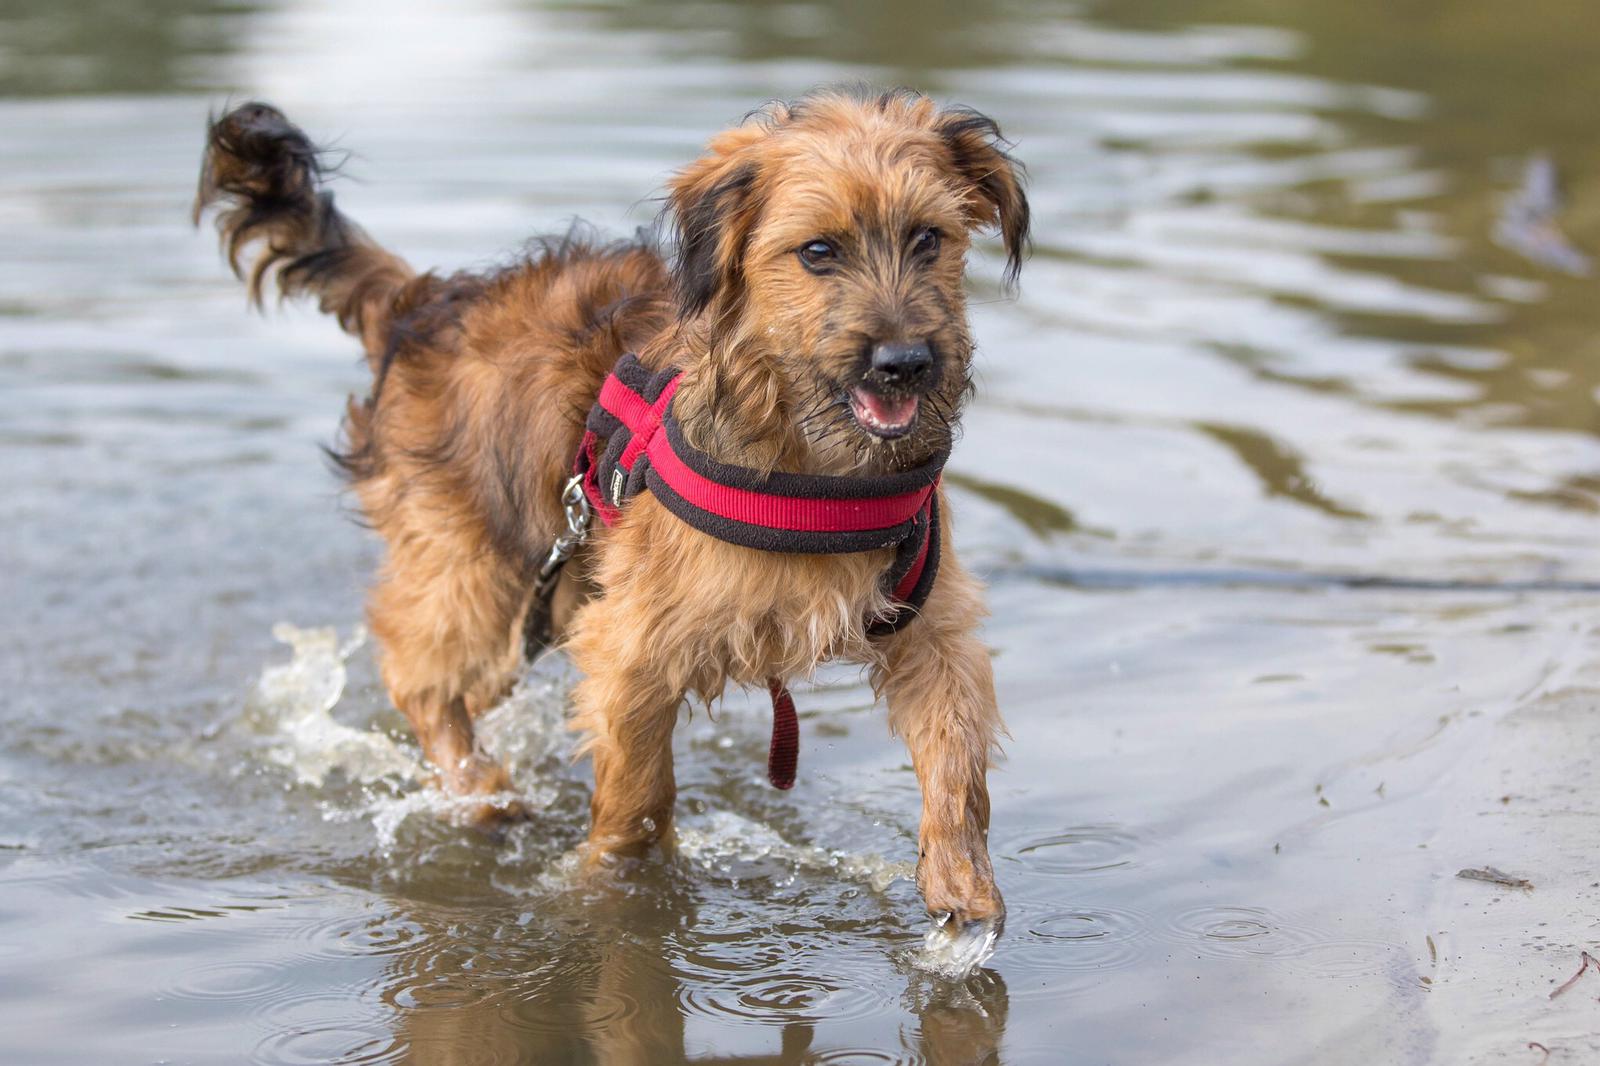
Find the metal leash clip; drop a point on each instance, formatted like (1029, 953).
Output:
(538, 628)
(576, 505)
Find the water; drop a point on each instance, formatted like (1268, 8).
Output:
(1283, 472)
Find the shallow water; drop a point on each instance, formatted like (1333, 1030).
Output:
(1307, 508)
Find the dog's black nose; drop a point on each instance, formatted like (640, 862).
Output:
(902, 362)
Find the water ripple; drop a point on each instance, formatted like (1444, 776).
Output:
(346, 1041)
(362, 934)
(235, 981)
(1231, 932)
(1077, 850)
(848, 1056)
(785, 993)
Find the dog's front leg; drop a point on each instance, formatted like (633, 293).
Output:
(941, 702)
(627, 714)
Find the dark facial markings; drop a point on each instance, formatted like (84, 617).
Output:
(822, 256)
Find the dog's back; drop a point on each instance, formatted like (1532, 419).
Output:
(480, 381)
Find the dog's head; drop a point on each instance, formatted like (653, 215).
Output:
(821, 253)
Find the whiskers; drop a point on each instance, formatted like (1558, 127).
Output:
(828, 426)
(829, 429)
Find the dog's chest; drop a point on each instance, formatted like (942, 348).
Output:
(788, 614)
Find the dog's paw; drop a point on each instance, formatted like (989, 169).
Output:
(495, 814)
(953, 947)
(607, 853)
(966, 907)
(480, 795)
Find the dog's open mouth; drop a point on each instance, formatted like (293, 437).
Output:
(883, 416)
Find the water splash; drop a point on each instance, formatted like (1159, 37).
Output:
(524, 733)
(294, 702)
(526, 730)
(722, 842)
(292, 706)
(957, 954)
(729, 844)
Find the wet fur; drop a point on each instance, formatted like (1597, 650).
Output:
(481, 383)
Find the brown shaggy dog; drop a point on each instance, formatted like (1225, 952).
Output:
(810, 240)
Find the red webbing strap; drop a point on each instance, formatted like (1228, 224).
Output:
(784, 755)
(642, 421)
(796, 513)
(642, 418)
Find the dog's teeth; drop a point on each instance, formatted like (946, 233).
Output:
(877, 413)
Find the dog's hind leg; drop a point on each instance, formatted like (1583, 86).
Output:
(940, 686)
(445, 614)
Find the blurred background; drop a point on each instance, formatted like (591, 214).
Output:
(1293, 591)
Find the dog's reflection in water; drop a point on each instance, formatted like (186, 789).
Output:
(606, 989)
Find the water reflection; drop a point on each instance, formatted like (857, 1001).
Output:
(105, 46)
(899, 41)
(1499, 92)
(638, 975)
(1281, 471)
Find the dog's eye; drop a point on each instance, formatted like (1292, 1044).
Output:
(925, 242)
(816, 255)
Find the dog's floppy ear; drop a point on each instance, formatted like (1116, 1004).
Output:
(714, 207)
(993, 179)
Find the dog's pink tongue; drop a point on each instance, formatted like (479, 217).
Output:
(886, 412)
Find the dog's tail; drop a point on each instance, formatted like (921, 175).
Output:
(276, 218)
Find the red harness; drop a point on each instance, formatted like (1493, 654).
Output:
(632, 442)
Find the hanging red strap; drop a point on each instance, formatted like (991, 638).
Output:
(784, 755)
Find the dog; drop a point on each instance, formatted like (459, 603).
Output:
(813, 313)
